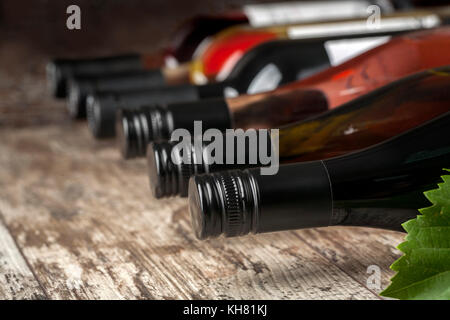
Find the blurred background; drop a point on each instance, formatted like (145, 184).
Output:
(31, 32)
(108, 26)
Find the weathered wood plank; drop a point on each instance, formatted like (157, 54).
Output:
(88, 226)
(357, 251)
(16, 279)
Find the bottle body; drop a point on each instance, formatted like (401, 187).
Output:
(404, 55)
(180, 50)
(377, 116)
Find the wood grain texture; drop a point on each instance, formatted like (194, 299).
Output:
(354, 250)
(16, 279)
(89, 227)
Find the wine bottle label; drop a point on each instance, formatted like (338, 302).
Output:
(293, 12)
(340, 51)
(267, 79)
(386, 24)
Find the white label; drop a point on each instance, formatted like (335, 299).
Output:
(294, 12)
(267, 79)
(386, 24)
(340, 51)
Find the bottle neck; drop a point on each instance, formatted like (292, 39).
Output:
(236, 203)
(137, 127)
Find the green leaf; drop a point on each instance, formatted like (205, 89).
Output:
(423, 272)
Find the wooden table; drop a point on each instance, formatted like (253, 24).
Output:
(78, 222)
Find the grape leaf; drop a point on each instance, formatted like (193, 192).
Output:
(423, 272)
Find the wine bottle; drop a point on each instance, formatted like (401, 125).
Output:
(400, 57)
(108, 103)
(194, 31)
(381, 186)
(360, 123)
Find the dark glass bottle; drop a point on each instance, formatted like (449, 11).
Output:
(370, 119)
(381, 186)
